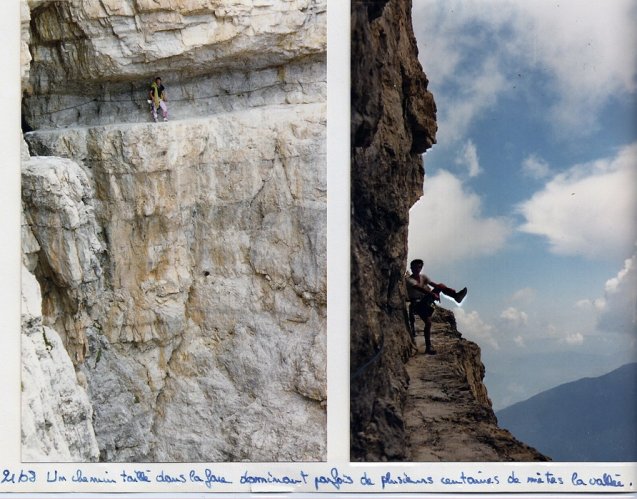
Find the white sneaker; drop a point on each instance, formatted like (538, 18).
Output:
(165, 119)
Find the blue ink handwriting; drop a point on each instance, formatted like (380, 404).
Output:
(365, 480)
(334, 479)
(546, 477)
(55, 477)
(137, 476)
(79, 477)
(403, 479)
(24, 476)
(164, 477)
(251, 479)
(470, 480)
(209, 478)
(606, 480)
(512, 478)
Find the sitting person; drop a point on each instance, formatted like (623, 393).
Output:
(158, 99)
(423, 292)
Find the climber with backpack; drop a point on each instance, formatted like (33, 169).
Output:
(158, 99)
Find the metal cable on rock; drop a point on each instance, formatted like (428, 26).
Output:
(191, 99)
(375, 357)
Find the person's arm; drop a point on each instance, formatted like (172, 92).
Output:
(425, 289)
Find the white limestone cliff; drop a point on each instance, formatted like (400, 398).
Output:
(183, 264)
(56, 412)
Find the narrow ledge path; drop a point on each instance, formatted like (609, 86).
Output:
(444, 417)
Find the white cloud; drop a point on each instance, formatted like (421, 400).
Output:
(471, 325)
(563, 333)
(590, 52)
(589, 210)
(446, 224)
(574, 339)
(524, 295)
(598, 304)
(587, 55)
(619, 313)
(519, 341)
(515, 317)
(468, 157)
(614, 285)
(535, 167)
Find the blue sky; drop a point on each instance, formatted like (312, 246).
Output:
(531, 191)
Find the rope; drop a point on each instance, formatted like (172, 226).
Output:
(191, 99)
(375, 357)
(67, 108)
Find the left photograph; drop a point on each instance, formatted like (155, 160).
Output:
(174, 200)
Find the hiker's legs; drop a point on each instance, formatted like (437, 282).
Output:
(411, 318)
(164, 109)
(458, 296)
(424, 309)
(153, 111)
(428, 347)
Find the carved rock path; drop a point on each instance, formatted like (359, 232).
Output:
(445, 420)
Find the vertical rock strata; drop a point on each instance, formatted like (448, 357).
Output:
(393, 122)
(57, 416)
(183, 263)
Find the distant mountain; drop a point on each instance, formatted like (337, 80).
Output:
(592, 419)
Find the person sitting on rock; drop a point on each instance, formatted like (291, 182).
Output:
(158, 99)
(423, 292)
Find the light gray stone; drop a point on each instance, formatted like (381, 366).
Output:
(184, 263)
(56, 411)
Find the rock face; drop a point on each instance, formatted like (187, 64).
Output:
(93, 60)
(184, 263)
(448, 413)
(426, 408)
(393, 122)
(56, 412)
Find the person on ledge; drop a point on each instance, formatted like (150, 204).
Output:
(423, 292)
(158, 99)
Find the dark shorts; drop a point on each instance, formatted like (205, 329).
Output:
(424, 308)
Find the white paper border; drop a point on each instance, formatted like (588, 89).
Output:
(338, 465)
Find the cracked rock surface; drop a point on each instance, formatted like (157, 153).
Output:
(402, 408)
(183, 264)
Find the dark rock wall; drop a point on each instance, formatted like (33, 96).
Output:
(393, 123)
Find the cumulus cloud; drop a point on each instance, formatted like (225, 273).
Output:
(514, 317)
(524, 295)
(535, 167)
(468, 157)
(614, 285)
(574, 339)
(619, 311)
(562, 334)
(589, 51)
(589, 210)
(479, 91)
(471, 325)
(587, 304)
(446, 224)
(586, 54)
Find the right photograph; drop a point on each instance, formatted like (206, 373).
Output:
(493, 231)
